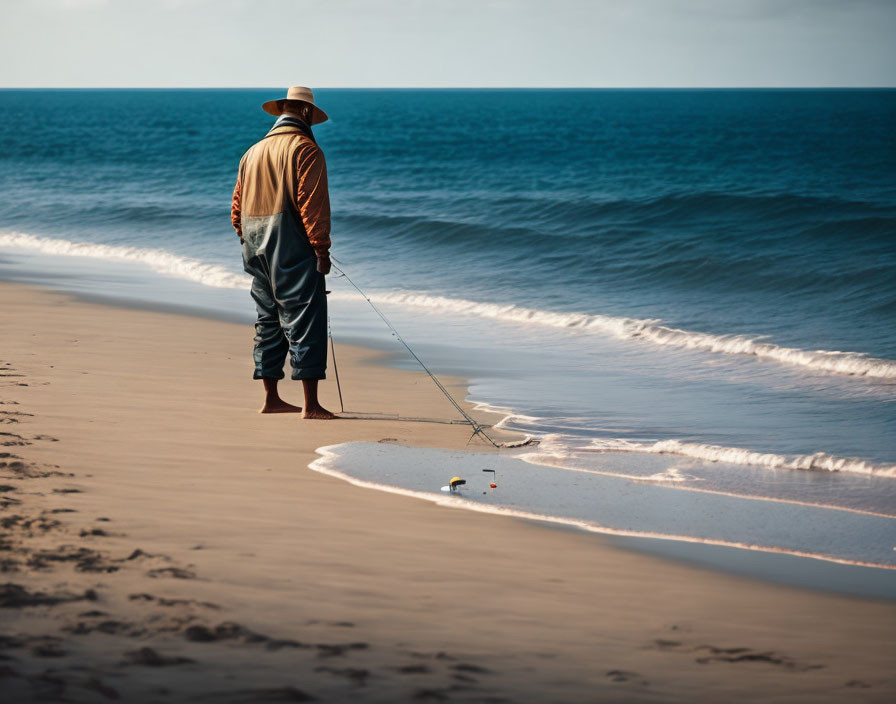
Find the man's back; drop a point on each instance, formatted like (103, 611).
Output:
(284, 173)
(267, 172)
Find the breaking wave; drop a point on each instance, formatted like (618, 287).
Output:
(648, 330)
(848, 363)
(819, 461)
(159, 260)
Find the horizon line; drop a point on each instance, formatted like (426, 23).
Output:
(703, 87)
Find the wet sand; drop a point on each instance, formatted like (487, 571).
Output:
(164, 542)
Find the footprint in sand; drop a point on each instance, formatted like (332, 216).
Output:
(469, 667)
(41, 646)
(162, 601)
(329, 650)
(858, 684)
(625, 676)
(738, 655)
(279, 694)
(151, 658)
(176, 572)
(14, 464)
(108, 626)
(711, 654)
(98, 532)
(356, 675)
(13, 440)
(15, 596)
(224, 631)
(85, 559)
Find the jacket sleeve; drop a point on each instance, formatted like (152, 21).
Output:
(235, 209)
(313, 196)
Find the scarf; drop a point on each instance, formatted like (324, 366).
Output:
(290, 121)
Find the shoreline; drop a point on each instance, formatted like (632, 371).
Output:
(844, 364)
(684, 546)
(683, 552)
(153, 415)
(818, 573)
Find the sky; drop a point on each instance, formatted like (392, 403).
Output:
(447, 43)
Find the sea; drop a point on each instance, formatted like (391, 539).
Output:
(685, 298)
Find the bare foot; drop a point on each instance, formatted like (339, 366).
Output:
(319, 413)
(279, 406)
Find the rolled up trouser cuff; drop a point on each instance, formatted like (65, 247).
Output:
(269, 374)
(309, 373)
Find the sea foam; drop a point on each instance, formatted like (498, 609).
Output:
(650, 330)
(818, 461)
(159, 260)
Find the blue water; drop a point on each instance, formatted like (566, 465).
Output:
(710, 270)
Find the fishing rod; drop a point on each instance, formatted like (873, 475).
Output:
(335, 368)
(477, 428)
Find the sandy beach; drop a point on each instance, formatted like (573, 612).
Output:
(164, 542)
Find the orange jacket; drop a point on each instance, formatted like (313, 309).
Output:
(312, 195)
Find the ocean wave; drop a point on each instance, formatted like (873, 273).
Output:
(673, 477)
(558, 451)
(159, 260)
(847, 363)
(649, 330)
(511, 216)
(819, 461)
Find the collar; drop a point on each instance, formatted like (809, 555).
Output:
(288, 122)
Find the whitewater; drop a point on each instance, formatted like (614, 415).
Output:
(163, 262)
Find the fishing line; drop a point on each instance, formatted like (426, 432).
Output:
(477, 428)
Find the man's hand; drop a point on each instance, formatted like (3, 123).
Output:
(323, 265)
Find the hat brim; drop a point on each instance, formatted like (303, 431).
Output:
(275, 107)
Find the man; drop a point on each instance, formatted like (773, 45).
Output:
(281, 211)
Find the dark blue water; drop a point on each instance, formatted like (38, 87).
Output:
(726, 211)
(710, 270)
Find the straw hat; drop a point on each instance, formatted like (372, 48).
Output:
(275, 107)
